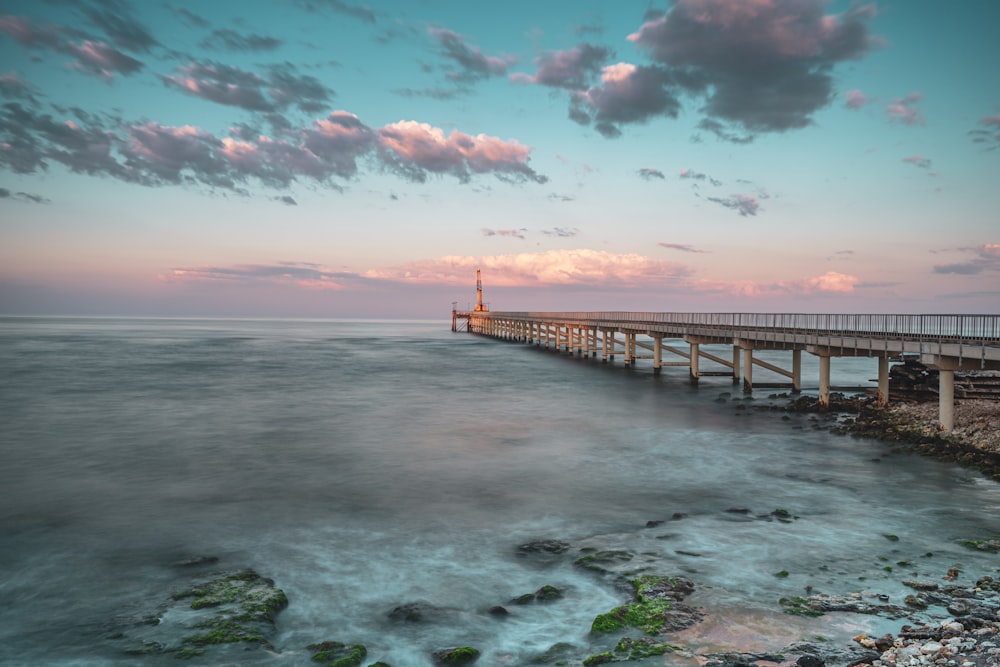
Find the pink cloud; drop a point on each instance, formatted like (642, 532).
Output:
(855, 99)
(410, 144)
(830, 282)
(918, 161)
(551, 268)
(991, 120)
(904, 109)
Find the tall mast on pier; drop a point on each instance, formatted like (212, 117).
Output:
(479, 293)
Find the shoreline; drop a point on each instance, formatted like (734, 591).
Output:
(974, 442)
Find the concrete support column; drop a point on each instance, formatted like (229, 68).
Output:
(882, 398)
(628, 350)
(585, 333)
(824, 381)
(736, 364)
(657, 354)
(946, 399)
(796, 371)
(694, 362)
(747, 370)
(604, 346)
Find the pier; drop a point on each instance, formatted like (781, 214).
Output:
(948, 343)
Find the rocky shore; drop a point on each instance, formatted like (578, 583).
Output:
(974, 442)
(950, 618)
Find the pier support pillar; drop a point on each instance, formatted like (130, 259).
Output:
(796, 371)
(882, 397)
(824, 381)
(657, 354)
(694, 362)
(736, 364)
(946, 397)
(747, 370)
(604, 346)
(629, 349)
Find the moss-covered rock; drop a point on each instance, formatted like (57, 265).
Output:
(984, 544)
(338, 654)
(231, 609)
(459, 655)
(656, 607)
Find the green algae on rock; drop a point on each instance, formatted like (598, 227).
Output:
(656, 607)
(337, 654)
(235, 608)
(459, 655)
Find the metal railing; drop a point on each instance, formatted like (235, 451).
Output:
(973, 329)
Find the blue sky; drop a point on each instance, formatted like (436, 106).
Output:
(326, 158)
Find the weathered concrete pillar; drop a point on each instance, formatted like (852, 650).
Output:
(657, 354)
(604, 346)
(747, 370)
(736, 364)
(882, 397)
(694, 362)
(796, 371)
(946, 399)
(824, 381)
(629, 349)
(586, 341)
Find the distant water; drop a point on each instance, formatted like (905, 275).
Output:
(365, 465)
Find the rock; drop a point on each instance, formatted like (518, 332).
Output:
(419, 612)
(810, 661)
(232, 610)
(497, 610)
(920, 585)
(457, 655)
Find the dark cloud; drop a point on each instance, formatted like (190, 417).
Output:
(681, 246)
(101, 59)
(152, 154)
(558, 197)
(649, 173)
(722, 131)
(473, 65)
(285, 199)
(433, 93)
(92, 56)
(918, 161)
(626, 94)
(743, 204)
(15, 87)
(989, 136)
(27, 34)
(562, 232)
(356, 11)
(226, 39)
(764, 67)
(115, 18)
(511, 233)
(281, 87)
(572, 69)
(23, 196)
(689, 173)
(987, 258)
(190, 18)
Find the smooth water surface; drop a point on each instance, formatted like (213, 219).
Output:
(365, 465)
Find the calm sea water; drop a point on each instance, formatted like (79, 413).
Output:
(365, 465)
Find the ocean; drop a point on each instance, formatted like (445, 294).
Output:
(369, 465)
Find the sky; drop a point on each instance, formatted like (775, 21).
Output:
(335, 158)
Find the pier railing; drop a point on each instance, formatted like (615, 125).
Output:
(979, 329)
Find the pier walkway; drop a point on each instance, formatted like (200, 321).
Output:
(947, 342)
